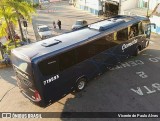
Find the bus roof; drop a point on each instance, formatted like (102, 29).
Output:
(69, 40)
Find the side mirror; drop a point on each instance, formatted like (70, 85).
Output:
(153, 24)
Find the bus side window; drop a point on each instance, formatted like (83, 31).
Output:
(66, 60)
(140, 28)
(49, 66)
(133, 31)
(122, 35)
(110, 38)
(82, 53)
(100, 45)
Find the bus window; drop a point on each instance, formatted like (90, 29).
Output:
(133, 31)
(122, 35)
(111, 39)
(97, 46)
(82, 53)
(100, 45)
(49, 66)
(66, 60)
(89, 50)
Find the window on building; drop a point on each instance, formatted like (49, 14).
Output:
(145, 4)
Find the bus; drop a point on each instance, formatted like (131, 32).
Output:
(48, 70)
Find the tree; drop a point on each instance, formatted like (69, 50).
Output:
(22, 9)
(7, 18)
(11, 11)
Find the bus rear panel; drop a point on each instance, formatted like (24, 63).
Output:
(24, 74)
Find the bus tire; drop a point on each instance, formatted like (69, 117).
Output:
(80, 85)
(138, 49)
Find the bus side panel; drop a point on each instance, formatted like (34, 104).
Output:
(49, 87)
(64, 84)
(65, 80)
(105, 60)
(87, 69)
(39, 84)
(116, 54)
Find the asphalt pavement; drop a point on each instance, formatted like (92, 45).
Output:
(60, 11)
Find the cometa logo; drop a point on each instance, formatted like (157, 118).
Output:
(51, 79)
(125, 46)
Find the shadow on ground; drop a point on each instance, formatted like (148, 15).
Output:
(111, 92)
(8, 75)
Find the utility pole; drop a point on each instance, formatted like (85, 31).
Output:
(120, 5)
(148, 9)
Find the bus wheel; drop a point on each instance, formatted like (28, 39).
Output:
(138, 49)
(80, 85)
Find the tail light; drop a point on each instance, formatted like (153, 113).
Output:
(37, 96)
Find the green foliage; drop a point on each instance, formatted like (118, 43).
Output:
(1, 57)
(9, 45)
(36, 5)
(10, 16)
(12, 10)
(21, 7)
(3, 28)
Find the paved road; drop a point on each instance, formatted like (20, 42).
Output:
(62, 11)
(132, 86)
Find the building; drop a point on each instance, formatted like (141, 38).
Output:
(93, 6)
(146, 8)
(124, 7)
(99, 7)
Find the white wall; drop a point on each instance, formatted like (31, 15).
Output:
(93, 4)
(90, 3)
(152, 4)
(128, 4)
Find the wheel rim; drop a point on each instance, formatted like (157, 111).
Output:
(81, 85)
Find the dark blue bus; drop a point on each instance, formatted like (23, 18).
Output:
(48, 70)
